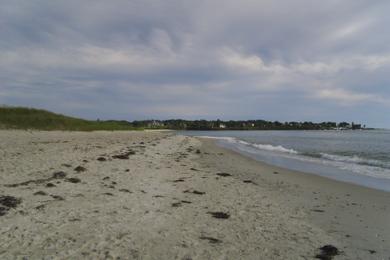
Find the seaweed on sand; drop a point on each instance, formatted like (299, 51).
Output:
(219, 215)
(327, 252)
(212, 240)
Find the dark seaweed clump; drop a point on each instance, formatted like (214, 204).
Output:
(212, 240)
(8, 202)
(59, 175)
(327, 252)
(124, 156)
(224, 174)
(80, 169)
(73, 180)
(219, 215)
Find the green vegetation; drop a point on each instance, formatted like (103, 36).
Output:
(30, 118)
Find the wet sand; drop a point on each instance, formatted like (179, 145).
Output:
(155, 195)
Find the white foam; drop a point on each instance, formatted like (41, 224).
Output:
(277, 148)
(351, 159)
(266, 147)
(367, 170)
(229, 139)
(354, 163)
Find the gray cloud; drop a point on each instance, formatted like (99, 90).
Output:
(300, 60)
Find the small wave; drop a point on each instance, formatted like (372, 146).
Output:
(229, 139)
(362, 169)
(352, 159)
(277, 148)
(267, 147)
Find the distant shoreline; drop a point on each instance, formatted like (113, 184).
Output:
(38, 119)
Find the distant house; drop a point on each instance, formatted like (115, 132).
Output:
(356, 126)
(344, 125)
(155, 124)
(222, 126)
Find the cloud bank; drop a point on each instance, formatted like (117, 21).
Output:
(138, 59)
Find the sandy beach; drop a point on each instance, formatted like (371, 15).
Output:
(157, 195)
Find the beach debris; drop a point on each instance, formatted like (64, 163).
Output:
(372, 251)
(327, 252)
(179, 180)
(125, 190)
(211, 240)
(124, 156)
(50, 185)
(121, 156)
(73, 180)
(249, 181)
(41, 193)
(176, 204)
(108, 194)
(101, 159)
(195, 192)
(186, 201)
(59, 175)
(193, 169)
(57, 197)
(318, 210)
(56, 175)
(224, 174)
(219, 215)
(80, 169)
(40, 207)
(197, 151)
(22, 183)
(66, 165)
(199, 192)
(276, 173)
(8, 202)
(85, 161)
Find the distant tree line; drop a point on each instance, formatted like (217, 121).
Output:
(179, 124)
(31, 118)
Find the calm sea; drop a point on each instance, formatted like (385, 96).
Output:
(360, 157)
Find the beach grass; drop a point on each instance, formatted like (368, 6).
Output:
(38, 119)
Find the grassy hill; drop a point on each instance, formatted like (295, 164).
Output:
(30, 118)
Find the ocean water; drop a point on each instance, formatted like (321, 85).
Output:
(359, 157)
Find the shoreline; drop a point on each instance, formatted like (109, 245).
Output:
(363, 170)
(307, 172)
(158, 195)
(346, 210)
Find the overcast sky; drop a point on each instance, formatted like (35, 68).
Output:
(249, 59)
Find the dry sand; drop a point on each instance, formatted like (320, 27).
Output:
(155, 195)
